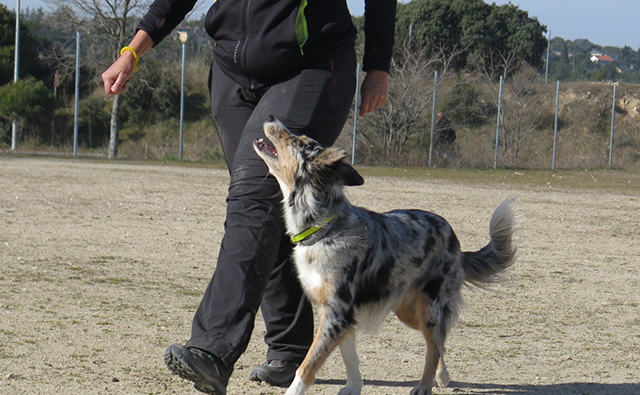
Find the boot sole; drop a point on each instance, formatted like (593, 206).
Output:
(260, 375)
(180, 366)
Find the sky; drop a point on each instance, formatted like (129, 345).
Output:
(603, 22)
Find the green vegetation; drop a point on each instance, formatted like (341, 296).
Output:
(570, 61)
(469, 42)
(25, 101)
(610, 180)
(480, 35)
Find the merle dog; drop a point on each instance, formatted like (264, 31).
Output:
(356, 265)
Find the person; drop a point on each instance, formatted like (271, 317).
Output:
(445, 135)
(294, 60)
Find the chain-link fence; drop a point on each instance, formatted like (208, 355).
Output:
(460, 119)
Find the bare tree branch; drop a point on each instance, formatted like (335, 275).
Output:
(109, 18)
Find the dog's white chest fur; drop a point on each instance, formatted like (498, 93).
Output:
(310, 275)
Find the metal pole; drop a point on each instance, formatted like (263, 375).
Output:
(184, 58)
(16, 64)
(613, 124)
(433, 117)
(53, 116)
(495, 159)
(16, 72)
(355, 116)
(555, 129)
(546, 73)
(410, 33)
(77, 107)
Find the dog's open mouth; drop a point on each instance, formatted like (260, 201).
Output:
(264, 147)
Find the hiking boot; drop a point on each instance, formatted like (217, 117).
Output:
(205, 370)
(275, 372)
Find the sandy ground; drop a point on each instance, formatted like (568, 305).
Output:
(102, 266)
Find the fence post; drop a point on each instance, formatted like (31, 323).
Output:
(495, 158)
(433, 117)
(53, 115)
(355, 116)
(77, 108)
(613, 124)
(546, 72)
(16, 72)
(555, 128)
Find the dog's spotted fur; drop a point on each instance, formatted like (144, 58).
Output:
(367, 264)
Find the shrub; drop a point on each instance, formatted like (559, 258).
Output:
(29, 102)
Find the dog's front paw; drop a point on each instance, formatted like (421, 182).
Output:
(297, 387)
(420, 390)
(350, 390)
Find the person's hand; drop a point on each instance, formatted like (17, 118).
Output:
(373, 92)
(116, 77)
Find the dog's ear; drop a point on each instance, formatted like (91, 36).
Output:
(334, 158)
(350, 176)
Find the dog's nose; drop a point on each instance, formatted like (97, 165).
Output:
(271, 118)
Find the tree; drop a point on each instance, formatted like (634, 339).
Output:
(512, 31)
(30, 49)
(153, 96)
(93, 123)
(441, 25)
(564, 53)
(463, 104)
(402, 119)
(522, 111)
(605, 73)
(113, 20)
(496, 37)
(26, 101)
(405, 120)
(629, 57)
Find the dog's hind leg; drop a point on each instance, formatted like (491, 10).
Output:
(331, 332)
(434, 329)
(431, 362)
(415, 312)
(352, 365)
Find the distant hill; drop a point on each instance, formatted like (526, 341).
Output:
(572, 61)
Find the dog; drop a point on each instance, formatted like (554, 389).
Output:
(356, 265)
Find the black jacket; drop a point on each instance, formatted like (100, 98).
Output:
(258, 42)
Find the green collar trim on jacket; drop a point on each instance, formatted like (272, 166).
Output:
(302, 30)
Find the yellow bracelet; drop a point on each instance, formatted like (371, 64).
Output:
(135, 56)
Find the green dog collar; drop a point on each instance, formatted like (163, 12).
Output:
(295, 239)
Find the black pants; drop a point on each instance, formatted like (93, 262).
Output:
(254, 267)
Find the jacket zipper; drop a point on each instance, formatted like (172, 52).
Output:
(241, 45)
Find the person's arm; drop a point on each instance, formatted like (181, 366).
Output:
(163, 16)
(116, 76)
(379, 27)
(160, 20)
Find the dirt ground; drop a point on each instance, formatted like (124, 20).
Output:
(103, 264)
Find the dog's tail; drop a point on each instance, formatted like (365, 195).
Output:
(484, 266)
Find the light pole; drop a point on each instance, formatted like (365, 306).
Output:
(183, 35)
(16, 68)
(76, 112)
